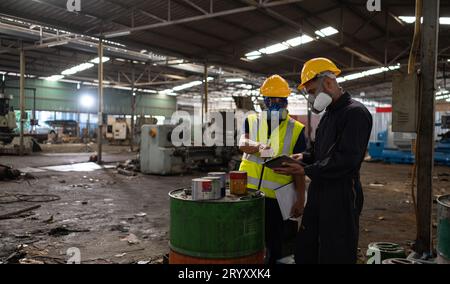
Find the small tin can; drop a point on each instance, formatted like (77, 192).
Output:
(216, 185)
(202, 189)
(223, 181)
(238, 183)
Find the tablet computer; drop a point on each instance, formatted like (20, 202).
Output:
(278, 162)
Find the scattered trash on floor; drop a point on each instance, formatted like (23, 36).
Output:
(376, 184)
(126, 172)
(19, 213)
(121, 228)
(131, 239)
(64, 231)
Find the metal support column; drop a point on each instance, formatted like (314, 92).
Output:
(206, 89)
(22, 100)
(100, 102)
(426, 125)
(133, 107)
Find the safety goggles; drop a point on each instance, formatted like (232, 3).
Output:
(272, 102)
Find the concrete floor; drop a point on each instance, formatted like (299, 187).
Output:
(103, 208)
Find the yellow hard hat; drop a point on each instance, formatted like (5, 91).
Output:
(314, 67)
(275, 86)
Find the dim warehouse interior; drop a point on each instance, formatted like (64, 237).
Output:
(91, 94)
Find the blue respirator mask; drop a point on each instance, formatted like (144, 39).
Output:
(276, 107)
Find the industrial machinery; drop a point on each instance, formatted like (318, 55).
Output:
(7, 119)
(397, 147)
(9, 140)
(117, 129)
(159, 156)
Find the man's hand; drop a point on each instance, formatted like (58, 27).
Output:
(297, 157)
(298, 208)
(265, 151)
(290, 169)
(263, 147)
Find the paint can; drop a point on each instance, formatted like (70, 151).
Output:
(223, 181)
(202, 189)
(216, 186)
(238, 183)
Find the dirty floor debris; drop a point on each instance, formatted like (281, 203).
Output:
(114, 218)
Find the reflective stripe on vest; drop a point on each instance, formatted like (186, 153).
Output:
(253, 164)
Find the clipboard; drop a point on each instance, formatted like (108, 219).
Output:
(277, 162)
(286, 197)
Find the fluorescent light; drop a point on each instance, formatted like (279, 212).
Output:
(412, 19)
(367, 73)
(187, 85)
(296, 41)
(78, 68)
(444, 20)
(284, 45)
(442, 92)
(97, 60)
(234, 80)
(167, 92)
(328, 31)
(117, 34)
(122, 88)
(147, 91)
(407, 19)
(54, 78)
(254, 57)
(274, 48)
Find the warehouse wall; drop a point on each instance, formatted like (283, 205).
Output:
(64, 97)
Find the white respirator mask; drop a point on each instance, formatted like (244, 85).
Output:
(320, 100)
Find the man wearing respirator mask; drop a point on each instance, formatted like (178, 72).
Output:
(270, 134)
(330, 225)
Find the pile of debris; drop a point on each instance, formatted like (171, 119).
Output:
(129, 167)
(8, 173)
(29, 146)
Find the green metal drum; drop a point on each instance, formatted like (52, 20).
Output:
(230, 227)
(443, 231)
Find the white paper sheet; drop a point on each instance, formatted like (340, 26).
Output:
(286, 196)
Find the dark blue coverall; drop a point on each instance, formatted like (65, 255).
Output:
(330, 226)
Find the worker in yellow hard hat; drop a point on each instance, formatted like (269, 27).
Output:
(330, 224)
(271, 134)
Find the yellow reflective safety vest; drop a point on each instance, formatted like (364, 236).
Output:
(282, 141)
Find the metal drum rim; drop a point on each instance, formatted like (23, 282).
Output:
(440, 202)
(171, 195)
(222, 255)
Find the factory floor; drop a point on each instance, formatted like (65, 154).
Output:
(113, 218)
